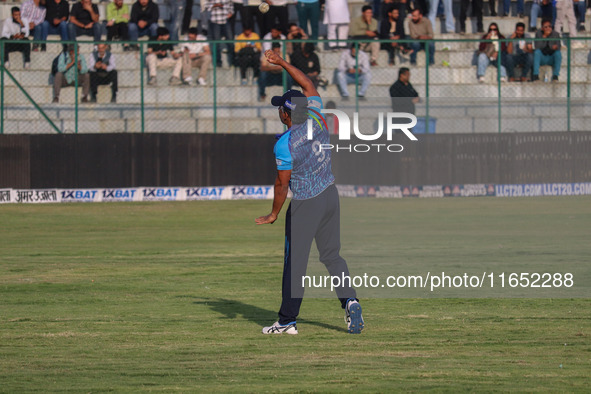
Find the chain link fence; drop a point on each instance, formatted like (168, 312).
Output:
(233, 94)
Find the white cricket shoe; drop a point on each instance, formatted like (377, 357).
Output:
(202, 82)
(353, 317)
(277, 328)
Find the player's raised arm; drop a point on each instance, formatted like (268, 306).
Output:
(299, 77)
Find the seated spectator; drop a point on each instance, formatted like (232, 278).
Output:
(544, 7)
(14, 28)
(307, 62)
(350, 70)
(248, 52)
(220, 12)
(476, 11)
(393, 29)
(117, 22)
(274, 34)
(196, 53)
(519, 53)
(272, 74)
(66, 74)
(162, 55)
(143, 20)
(33, 14)
(101, 65)
(56, 20)
(365, 27)
(547, 52)
(294, 32)
(84, 21)
(402, 6)
(489, 52)
(420, 29)
(336, 16)
(404, 96)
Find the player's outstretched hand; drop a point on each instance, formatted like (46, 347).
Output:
(272, 57)
(269, 219)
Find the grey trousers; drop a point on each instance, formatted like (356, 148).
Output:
(60, 82)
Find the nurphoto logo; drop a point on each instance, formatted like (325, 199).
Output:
(394, 121)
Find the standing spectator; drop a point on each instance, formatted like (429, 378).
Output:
(196, 53)
(294, 32)
(546, 8)
(84, 20)
(580, 8)
(162, 55)
(56, 20)
(66, 74)
(271, 74)
(143, 20)
(336, 16)
(101, 64)
(176, 8)
(15, 29)
(450, 26)
(277, 14)
(566, 13)
(519, 53)
(220, 12)
(420, 29)
(309, 11)
(33, 14)
(547, 52)
(275, 35)
(254, 17)
(402, 93)
(117, 22)
(489, 52)
(239, 9)
(307, 62)
(507, 8)
(492, 7)
(365, 27)
(351, 70)
(393, 29)
(476, 11)
(248, 52)
(187, 16)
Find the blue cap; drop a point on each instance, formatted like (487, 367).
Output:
(288, 100)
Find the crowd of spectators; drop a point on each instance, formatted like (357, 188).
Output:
(378, 20)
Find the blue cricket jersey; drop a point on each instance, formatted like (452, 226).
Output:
(309, 164)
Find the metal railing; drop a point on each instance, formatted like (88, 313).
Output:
(449, 89)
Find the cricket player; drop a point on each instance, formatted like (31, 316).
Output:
(314, 212)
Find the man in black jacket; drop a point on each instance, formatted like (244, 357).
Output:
(84, 20)
(143, 20)
(404, 96)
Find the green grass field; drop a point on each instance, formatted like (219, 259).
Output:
(172, 297)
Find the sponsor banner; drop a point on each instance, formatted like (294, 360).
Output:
(120, 195)
(265, 192)
(205, 193)
(79, 195)
(35, 196)
(389, 192)
(251, 192)
(5, 196)
(469, 190)
(543, 189)
(161, 194)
